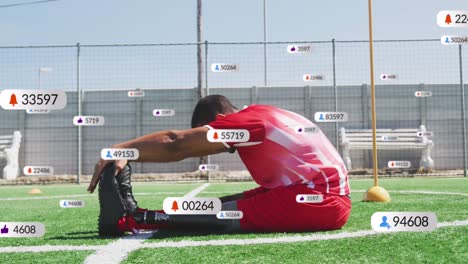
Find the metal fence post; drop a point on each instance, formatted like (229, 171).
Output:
(206, 159)
(78, 93)
(365, 106)
(307, 112)
(206, 68)
(138, 125)
(253, 95)
(422, 107)
(264, 44)
(366, 117)
(462, 89)
(335, 92)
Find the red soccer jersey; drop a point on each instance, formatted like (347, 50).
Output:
(278, 154)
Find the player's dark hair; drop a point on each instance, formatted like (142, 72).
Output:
(208, 107)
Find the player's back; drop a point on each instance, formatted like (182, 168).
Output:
(278, 154)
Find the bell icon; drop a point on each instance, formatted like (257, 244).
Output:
(392, 164)
(29, 171)
(13, 100)
(175, 206)
(215, 135)
(448, 19)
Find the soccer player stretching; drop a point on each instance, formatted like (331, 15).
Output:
(283, 161)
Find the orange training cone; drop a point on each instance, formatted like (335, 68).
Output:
(377, 194)
(35, 191)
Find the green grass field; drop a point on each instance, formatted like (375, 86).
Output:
(78, 227)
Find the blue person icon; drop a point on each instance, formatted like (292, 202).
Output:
(447, 40)
(109, 155)
(321, 117)
(217, 67)
(384, 222)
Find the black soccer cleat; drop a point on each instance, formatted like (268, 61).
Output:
(111, 203)
(124, 180)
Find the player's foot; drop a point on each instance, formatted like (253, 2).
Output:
(143, 219)
(124, 180)
(111, 204)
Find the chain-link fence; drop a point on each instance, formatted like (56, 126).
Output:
(97, 79)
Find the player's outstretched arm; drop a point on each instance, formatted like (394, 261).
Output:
(174, 145)
(164, 146)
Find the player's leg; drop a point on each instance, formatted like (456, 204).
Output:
(243, 195)
(276, 210)
(150, 219)
(116, 201)
(111, 204)
(157, 219)
(124, 180)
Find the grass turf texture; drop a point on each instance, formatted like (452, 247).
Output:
(78, 226)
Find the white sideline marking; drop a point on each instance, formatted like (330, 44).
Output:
(219, 242)
(284, 239)
(118, 250)
(47, 248)
(159, 193)
(421, 192)
(198, 190)
(75, 195)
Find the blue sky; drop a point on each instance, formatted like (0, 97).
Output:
(67, 22)
(146, 21)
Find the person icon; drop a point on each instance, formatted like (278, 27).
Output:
(321, 117)
(64, 203)
(109, 155)
(217, 67)
(384, 222)
(447, 40)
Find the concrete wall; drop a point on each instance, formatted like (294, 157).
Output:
(52, 139)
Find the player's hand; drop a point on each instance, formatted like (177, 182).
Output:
(118, 166)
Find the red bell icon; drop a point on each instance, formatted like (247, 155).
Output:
(175, 206)
(448, 19)
(13, 100)
(393, 164)
(215, 135)
(307, 77)
(29, 171)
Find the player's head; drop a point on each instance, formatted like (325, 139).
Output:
(208, 107)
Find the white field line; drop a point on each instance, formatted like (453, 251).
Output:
(118, 250)
(220, 242)
(161, 193)
(197, 190)
(421, 192)
(276, 240)
(77, 195)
